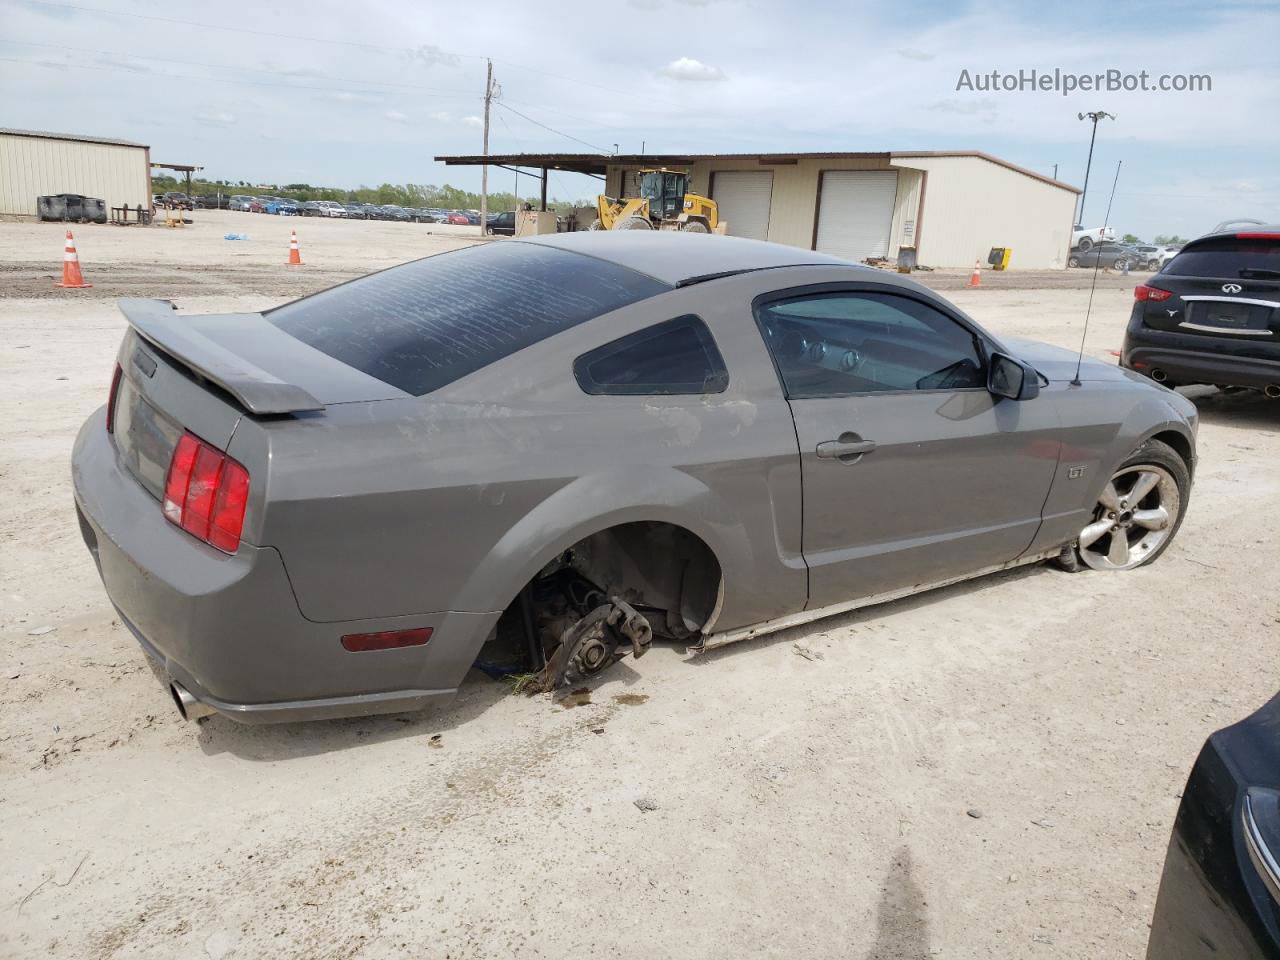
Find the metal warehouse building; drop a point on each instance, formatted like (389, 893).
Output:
(35, 164)
(951, 206)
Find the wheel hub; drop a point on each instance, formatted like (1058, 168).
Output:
(1134, 516)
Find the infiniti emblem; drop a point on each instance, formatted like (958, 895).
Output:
(1231, 288)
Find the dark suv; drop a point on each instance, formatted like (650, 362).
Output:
(502, 223)
(1212, 315)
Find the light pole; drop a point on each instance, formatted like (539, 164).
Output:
(1095, 116)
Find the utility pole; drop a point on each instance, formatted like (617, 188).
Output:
(1095, 116)
(484, 169)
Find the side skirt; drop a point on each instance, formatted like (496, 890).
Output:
(808, 616)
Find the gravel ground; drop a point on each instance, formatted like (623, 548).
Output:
(759, 797)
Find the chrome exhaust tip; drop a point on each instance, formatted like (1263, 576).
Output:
(1159, 376)
(188, 706)
(1272, 390)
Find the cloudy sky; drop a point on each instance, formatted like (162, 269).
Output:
(345, 94)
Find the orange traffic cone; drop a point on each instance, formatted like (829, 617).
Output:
(71, 275)
(975, 278)
(295, 255)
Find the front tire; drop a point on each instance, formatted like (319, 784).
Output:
(634, 223)
(1073, 261)
(1085, 244)
(696, 226)
(1138, 513)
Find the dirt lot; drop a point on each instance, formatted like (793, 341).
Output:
(803, 807)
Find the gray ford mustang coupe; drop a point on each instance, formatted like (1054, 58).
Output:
(585, 441)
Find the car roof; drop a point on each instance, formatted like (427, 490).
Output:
(676, 257)
(1248, 228)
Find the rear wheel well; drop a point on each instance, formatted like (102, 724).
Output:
(666, 572)
(654, 566)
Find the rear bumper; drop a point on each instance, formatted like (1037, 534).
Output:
(228, 628)
(1186, 359)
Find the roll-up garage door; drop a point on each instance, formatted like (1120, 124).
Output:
(743, 199)
(855, 213)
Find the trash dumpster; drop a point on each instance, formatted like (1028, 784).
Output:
(51, 208)
(74, 207)
(93, 209)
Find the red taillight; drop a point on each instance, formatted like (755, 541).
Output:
(206, 493)
(111, 400)
(1258, 236)
(228, 507)
(387, 640)
(1143, 292)
(175, 485)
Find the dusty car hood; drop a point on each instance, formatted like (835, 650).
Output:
(1059, 364)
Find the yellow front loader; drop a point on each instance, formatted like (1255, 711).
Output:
(663, 204)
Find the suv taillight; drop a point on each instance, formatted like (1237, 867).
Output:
(111, 400)
(206, 492)
(1143, 292)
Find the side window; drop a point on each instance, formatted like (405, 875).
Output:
(834, 344)
(676, 357)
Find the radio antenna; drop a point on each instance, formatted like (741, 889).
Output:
(1075, 382)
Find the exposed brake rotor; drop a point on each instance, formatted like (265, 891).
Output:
(592, 644)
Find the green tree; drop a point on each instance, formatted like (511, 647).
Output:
(1129, 238)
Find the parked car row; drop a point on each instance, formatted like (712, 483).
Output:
(1117, 256)
(283, 206)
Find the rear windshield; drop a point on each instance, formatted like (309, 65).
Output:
(1239, 258)
(424, 324)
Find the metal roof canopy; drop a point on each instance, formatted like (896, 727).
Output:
(74, 137)
(597, 164)
(186, 168)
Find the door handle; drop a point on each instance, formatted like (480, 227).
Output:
(848, 449)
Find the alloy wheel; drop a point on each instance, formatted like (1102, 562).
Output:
(1135, 515)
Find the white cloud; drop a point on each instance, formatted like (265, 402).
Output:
(440, 116)
(121, 63)
(428, 55)
(473, 121)
(215, 118)
(687, 68)
(305, 72)
(396, 116)
(984, 109)
(350, 96)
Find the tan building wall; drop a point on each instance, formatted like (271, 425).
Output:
(969, 206)
(32, 167)
(794, 207)
(972, 205)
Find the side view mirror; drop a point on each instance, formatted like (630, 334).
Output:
(1012, 378)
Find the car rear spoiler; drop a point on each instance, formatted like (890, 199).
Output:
(259, 391)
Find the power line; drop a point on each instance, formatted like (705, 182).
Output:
(228, 66)
(347, 43)
(235, 29)
(185, 76)
(561, 133)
